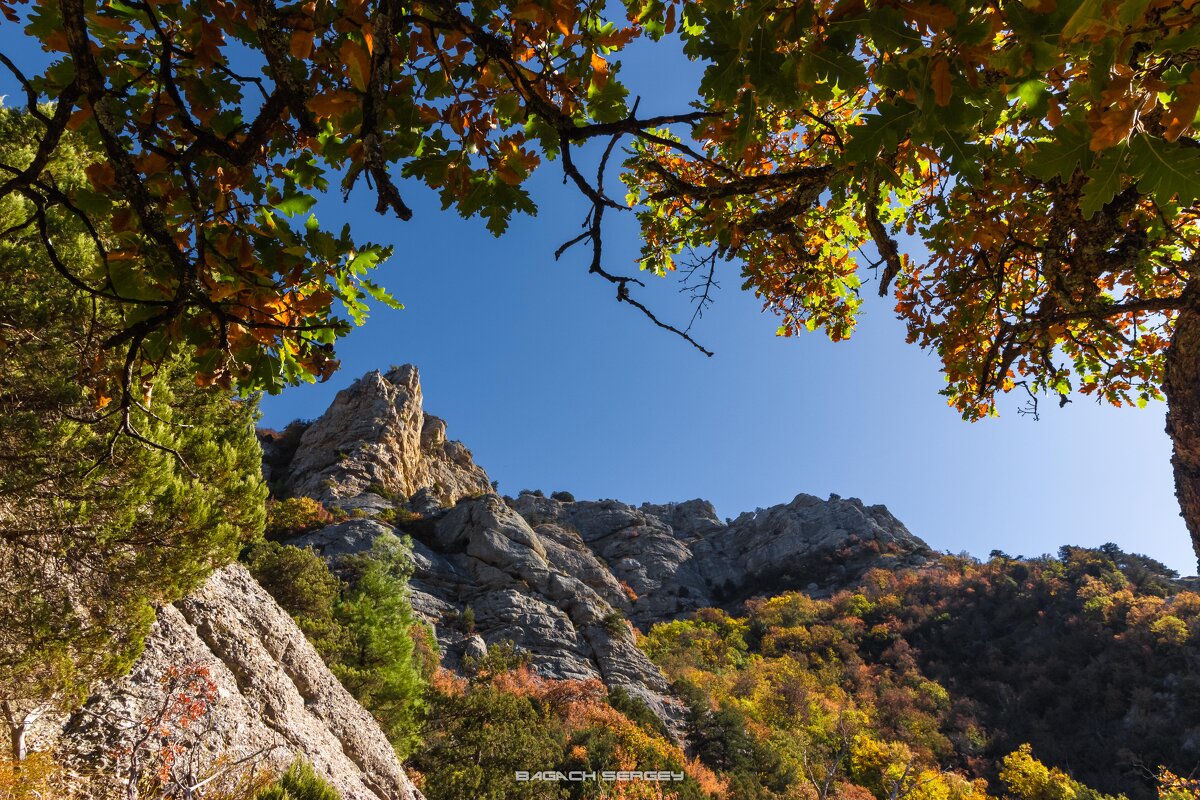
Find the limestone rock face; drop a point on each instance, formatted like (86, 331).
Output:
(680, 557)
(376, 437)
(829, 543)
(539, 588)
(561, 580)
(275, 699)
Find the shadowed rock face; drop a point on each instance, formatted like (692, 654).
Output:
(275, 699)
(560, 579)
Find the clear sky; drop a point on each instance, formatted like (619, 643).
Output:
(554, 385)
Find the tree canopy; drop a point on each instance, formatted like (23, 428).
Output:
(96, 528)
(1021, 177)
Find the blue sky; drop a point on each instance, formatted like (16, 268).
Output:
(555, 385)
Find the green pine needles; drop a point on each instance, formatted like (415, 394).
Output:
(103, 514)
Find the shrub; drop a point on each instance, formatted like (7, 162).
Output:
(294, 516)
(636, 709)
(398, 517)
(379, 666)
(633, 596)
(563, 497)
(383, 491)
(300, 581)
(300, 782)
(39, 776)
(362, 627)
(614, 622)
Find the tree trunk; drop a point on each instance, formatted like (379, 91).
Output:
(17, 732)
(1181, 385)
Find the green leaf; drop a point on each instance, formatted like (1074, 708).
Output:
(1180, 42)
(295, 203)
(1060, 157)
(363, 260)
(881, 131)
(1088, 12)
(607, 104)
(1131, 11)
(381, 294)
(890, 31)
(1166, 170)
(1030, 92)
(1103, 181)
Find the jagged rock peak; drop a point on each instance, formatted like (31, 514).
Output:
(376, 439)
(679, 557)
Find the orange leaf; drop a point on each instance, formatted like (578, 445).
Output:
(356, 59)
(122, 220)
(78, 119)
(934, 17)
(940, 77)
(1116, 123)
(333, 104)
(101, 175)
(599, 71)
(529, 10)
(1182, 111)
(302, 44)
(56, 41)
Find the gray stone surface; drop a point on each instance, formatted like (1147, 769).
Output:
(376, 435)
(556, 578)
(275, 697)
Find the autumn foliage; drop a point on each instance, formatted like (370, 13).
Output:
(506, 718)
(951, 680)
(1021, 177)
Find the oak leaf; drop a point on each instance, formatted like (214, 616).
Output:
(1181, 114)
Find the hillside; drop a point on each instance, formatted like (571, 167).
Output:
(555, 576)
(818, 636)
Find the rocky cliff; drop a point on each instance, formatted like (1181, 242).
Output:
(562, 580)
(374, 442)
(565, 581)
(265, 695)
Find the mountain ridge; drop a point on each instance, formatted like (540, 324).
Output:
(561, 579)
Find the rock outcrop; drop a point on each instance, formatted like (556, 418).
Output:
(565, 582)
(375, 442)
(562, 580)
(275, 701)
(679, 557)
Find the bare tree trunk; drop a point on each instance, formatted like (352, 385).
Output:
(18, 743)
(1182, 388)
(18, 724)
